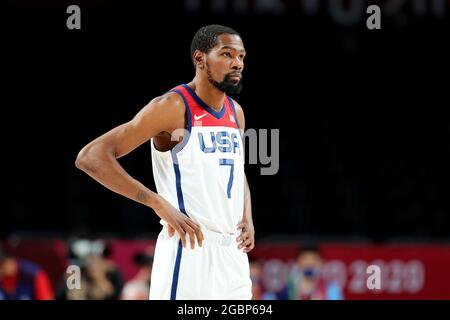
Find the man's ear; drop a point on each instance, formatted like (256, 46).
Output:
(199, 59)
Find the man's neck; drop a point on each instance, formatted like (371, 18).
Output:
(209, 94)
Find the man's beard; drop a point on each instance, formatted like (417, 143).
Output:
(227, 86)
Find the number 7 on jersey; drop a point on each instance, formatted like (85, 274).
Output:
(228, 162)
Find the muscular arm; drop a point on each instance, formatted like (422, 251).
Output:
(99, 158)
(247, 237)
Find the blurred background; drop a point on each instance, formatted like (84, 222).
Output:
(364, 143)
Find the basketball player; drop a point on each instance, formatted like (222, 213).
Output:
(202, 196)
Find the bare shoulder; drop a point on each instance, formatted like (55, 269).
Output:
(165, 112)
(168, 102)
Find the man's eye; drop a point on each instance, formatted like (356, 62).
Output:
(226, 54)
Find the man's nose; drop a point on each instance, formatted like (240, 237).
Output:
(237, 64)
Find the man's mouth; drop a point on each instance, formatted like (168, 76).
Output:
(235, 76)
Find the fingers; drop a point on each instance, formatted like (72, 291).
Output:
(183, 225)
(194, 232)
(182, 234)
(250, 247)
(245, 243)
(242, 225)
(197, 230)
(243, 236)
(190, 232)
(171, 231)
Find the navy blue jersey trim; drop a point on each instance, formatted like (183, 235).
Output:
(197, 99)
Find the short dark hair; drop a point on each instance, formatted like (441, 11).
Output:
(206, 37)
(310, 247)
(142, 259)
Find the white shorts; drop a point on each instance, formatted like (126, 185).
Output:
(216, 271)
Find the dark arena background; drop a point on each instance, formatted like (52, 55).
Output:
(364, 137)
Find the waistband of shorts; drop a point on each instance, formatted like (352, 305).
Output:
(222, 239)
(213, 237)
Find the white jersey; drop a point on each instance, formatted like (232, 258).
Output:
(203, 176)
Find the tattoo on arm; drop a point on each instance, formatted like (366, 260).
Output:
(142, 197)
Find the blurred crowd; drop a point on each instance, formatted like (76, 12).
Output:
(97, 277)
(305, 281)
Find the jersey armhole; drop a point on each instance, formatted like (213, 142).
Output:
(234, 112)
(187, 115)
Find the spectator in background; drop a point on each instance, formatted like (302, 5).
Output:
(307, 282)
(100, 277)
(23, 280)
(139, 287)
(258, 291)
(103, 279)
